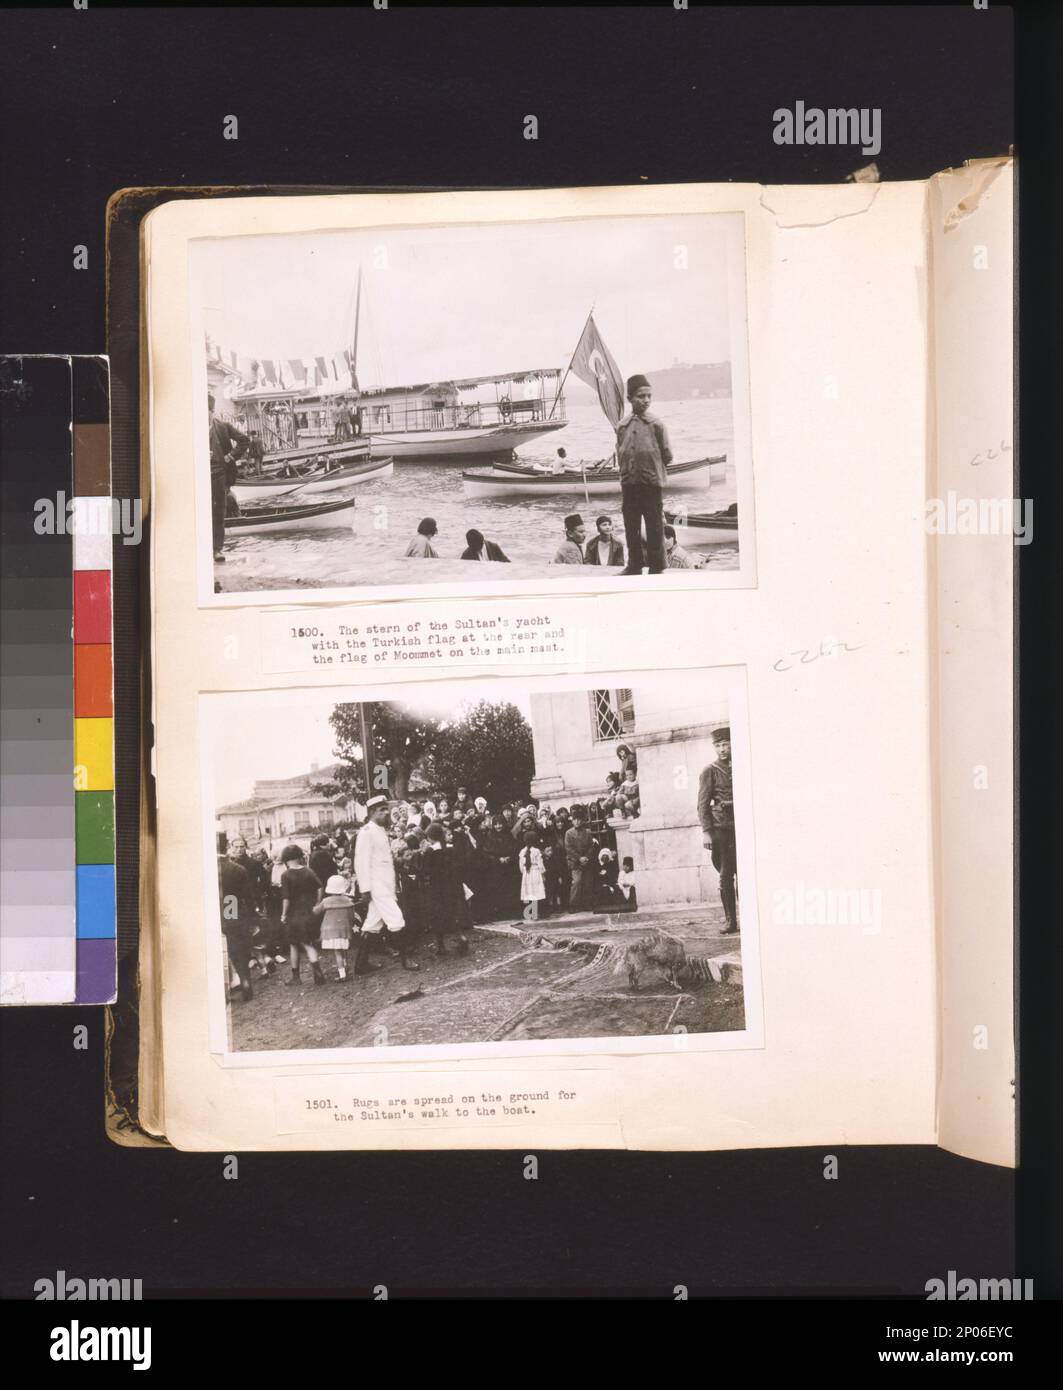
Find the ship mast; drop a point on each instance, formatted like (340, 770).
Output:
(354, 346)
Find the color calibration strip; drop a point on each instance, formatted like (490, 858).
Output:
(57, 923)
(93, 685)
(38, 927)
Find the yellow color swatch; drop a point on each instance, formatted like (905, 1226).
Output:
(94, 755)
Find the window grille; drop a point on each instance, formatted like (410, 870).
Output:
(613, 712)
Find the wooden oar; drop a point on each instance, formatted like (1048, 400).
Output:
(273, 495)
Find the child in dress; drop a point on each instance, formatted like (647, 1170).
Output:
(626, 883)
(532, 880)
(337, 928)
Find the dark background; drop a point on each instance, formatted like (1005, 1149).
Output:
(126, 96)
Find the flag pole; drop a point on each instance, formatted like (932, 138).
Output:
(367, 749)
(561, 388)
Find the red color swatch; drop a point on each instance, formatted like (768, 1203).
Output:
(92, 606)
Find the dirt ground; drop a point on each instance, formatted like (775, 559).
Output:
(565, 978)
(331, 1015)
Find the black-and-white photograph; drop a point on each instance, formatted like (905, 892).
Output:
(487, 863)
(384, 406)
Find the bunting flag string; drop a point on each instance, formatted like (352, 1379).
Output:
(332, 372)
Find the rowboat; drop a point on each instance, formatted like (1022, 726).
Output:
(519, 480)
(364, 471)
(318, 516)
(510, 464)
(704, 528)
(357, 448)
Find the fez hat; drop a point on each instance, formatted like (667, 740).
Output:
(635, 383)
(571, 522)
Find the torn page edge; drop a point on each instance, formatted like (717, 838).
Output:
(845, 194)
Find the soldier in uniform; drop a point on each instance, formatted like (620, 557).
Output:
(717, 815)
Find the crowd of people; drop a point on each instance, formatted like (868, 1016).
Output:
(420, 873)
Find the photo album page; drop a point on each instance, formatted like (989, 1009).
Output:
(562, 726)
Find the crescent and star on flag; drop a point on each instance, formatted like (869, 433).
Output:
(593, 363)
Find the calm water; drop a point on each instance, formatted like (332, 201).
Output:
(529, 529)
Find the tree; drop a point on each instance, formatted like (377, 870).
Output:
(400, 740)
(488, 749)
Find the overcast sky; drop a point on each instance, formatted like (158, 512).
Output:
(276, 742)
(473, 301)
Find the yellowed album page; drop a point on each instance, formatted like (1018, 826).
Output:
(976, 523)
(789, 671)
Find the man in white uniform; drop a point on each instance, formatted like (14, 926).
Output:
(374, 870)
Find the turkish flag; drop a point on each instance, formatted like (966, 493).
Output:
(593, 363)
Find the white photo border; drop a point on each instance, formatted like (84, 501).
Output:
(706, 580)
(214, 712)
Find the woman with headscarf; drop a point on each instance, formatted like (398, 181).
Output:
(628, 761)
(553, 858)
(607, 892)
(444, 898)
(559, 859)
(467, 854)
(502, 876)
